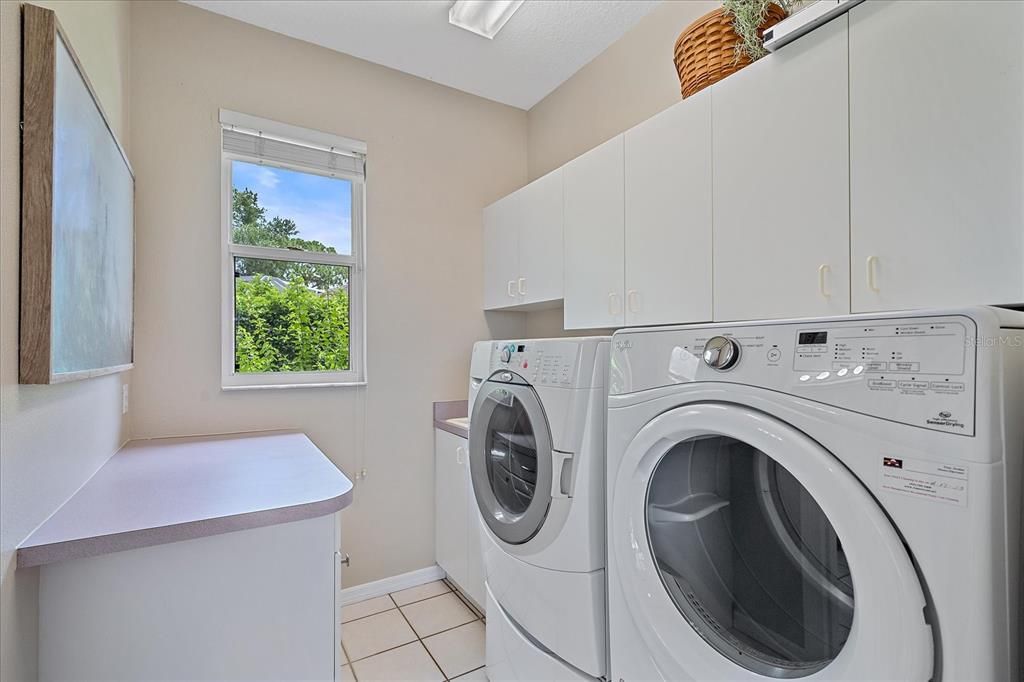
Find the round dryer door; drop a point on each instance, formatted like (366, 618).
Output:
(763, 557)
(510, 458)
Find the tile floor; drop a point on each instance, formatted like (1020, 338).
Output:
(423, 634)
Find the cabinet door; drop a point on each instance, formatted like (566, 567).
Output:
(501, 254)
(594, 265)
(936, 154)
(450, 487)
(540, 239)
(668, 215)
(474, 585)
(781, 182)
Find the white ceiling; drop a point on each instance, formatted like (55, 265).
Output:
(541, 46)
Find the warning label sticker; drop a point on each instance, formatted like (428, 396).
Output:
(927, 480)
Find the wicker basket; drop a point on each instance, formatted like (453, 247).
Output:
(705, 52)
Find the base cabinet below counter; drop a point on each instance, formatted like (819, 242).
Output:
(255, 604)
(195, 558)
(457, 520)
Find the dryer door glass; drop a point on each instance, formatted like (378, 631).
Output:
(510, 460)
(748, 557)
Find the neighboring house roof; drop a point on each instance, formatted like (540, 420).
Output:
(277, 282)
(282, 284)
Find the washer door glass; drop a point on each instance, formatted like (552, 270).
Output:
(510, 459)
(748, 557)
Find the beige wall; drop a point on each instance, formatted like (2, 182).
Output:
(629, 82)
(436, 156)
(53, 437)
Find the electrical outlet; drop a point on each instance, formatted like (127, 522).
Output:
(124, 398)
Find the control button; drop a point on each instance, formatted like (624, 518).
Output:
(913, 385)
(842, 372)
(948, 386)
(721, 353)
(904, 366)
(875, 366)
(822, 376)
(805, 377)
(858, 369)
(774, 355)
(881, 384)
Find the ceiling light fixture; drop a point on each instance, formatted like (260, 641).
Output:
(482, 17)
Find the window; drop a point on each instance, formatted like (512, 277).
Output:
(293, 233)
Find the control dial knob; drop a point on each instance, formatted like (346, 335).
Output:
(506, 353)
(721, 353)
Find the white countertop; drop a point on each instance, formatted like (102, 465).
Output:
(165, 490)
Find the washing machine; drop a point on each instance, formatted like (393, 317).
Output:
(834, 499)
(536, 456)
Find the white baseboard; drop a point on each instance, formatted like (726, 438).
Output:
(378, 588)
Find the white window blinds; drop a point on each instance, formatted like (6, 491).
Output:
(273, 150)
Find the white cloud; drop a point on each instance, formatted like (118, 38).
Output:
(267, 178)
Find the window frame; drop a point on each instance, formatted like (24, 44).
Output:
(355, 375)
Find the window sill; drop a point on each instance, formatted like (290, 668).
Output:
(264, 387)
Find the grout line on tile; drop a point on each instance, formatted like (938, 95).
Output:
(454, 627)
(392, 595)
(423, 644)
(369, 615)
(348, 661)
(433, 596)
(477, 616)
(465, 600)
(384, 651)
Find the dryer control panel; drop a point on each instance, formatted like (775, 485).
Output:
(918, 371)
(546, 362)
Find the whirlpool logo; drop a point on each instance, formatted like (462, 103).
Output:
(945, 418)
(623, 345)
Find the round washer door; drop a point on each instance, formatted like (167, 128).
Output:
(746, 550)
(510, 458)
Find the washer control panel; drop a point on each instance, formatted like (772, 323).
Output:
(918, 371)
(550, 363)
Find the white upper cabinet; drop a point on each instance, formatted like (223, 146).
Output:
(781, 182)
(523, 246)
(501, 255)
(594, 238)
(668, 215)
(936, 154)
(540, 240)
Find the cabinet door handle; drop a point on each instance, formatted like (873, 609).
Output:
(511, 283)
(459, 454)
(633, 300)
(872, 265)
(823, 271)
(614, 306)
(522, 286)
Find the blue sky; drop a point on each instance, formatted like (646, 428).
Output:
(320, 206)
